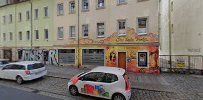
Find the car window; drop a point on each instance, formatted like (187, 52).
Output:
(7, 67)
(3, 62)
(94, 76)
(16, 67)
(35, 66)
(109, 78)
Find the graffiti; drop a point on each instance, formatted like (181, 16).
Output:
(113, 57)
(53, 57)
(97, 90)
(32, 55)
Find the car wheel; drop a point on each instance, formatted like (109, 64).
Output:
(19, 80)
(118, 97)
(73, 90)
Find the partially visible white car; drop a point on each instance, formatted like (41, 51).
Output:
(103, 82)
(23, 71)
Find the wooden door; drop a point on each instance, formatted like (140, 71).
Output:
(122, 60)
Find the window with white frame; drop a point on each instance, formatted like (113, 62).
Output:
(28, 35)
(122, 27)
(85, 5)
(10, 18)
(85, 30)
(142, 24)
(4, 36)
(72, 7)
(20, 36)
(27, 15)
(46, 34)
(36, 13)
(100, 3)
(60, 33)
(100, 29)
(46, 12)
(60, 10)
(72, 31)
(11, 36)
(4, 19)
(36, 34)
(19, 17)
(121, 1)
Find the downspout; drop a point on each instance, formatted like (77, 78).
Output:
(15, 33)
(31, 25)
(170, 44)
(78, 34)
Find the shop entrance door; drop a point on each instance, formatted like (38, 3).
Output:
(122, 60)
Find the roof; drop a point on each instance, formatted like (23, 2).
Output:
(25, 63)
(113, 70)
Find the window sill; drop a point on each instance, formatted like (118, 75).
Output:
(101, 36)
(60, 14)
(141, 34)
(123, 3)
(121, 34)
(85, 37)
(99, 8)
(60, 39)
(72, 12)
(85, 10)
(72, 37)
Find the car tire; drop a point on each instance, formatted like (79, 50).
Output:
(19, 80)
(73, 90)
(118, 96)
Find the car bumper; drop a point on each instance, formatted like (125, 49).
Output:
(34, 76)
(127, 95)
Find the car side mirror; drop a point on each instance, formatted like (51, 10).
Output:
(81, 78)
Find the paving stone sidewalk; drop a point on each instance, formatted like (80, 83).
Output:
(174, 83)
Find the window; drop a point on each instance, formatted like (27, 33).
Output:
(4, 19)
(60, 33)
(72, 7)
(100, 3)
(35, 66)
(85, 30)
(109, 78)
(20, 36)
(36, 34)
(142, 25)
(85, 5)
(28, 35)
(11, 36)
(72, 31)
(27, 15)
(121, 1)
(142, 59)
(46, 14)
(46, 34)
(4, 36)
(172, 6)
(100, 29)
(94, 77)
(60, 9)
(19, 17)
(10, 18)
(122, 26)
(36, 13)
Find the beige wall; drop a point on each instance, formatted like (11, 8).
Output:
(109, 16)
(187, 33)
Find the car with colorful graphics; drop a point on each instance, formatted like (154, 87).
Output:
(103, 82)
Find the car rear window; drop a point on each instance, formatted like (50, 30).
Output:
(35, 66)
(3, 62)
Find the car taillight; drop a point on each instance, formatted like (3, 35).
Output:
(27, 72)
(127, 83)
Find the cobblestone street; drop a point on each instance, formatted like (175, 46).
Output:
(144, 86)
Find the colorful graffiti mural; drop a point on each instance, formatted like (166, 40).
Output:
(53, 57)
(97, 90)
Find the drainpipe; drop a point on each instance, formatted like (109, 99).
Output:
(170, 44)
(31, 25)
(78, 33)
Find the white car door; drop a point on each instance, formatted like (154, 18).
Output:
(5, 72)
(91, 84)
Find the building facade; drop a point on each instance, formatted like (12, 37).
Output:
(115, 33)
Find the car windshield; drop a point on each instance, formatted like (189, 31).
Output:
(35, 66)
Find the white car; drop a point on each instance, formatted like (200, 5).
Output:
(103, 82)
(23, 71)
